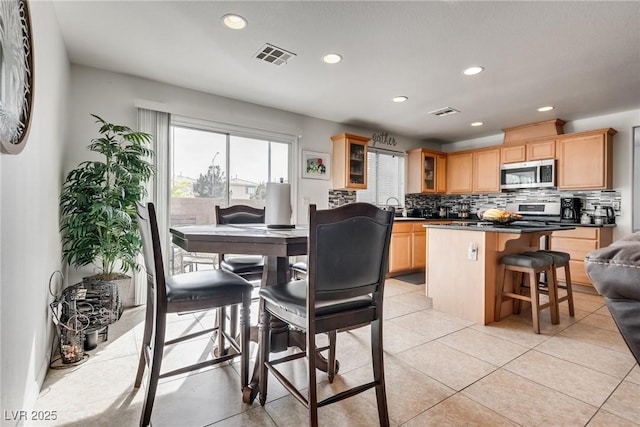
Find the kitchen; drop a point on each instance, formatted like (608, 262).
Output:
(62, 127)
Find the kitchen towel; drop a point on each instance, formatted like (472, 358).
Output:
(278, 207)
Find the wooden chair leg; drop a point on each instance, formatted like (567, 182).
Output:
(331, 360)
(146, 341)
(222, 324)
(535, 301)
(518, 278)
(233, 321)
(567, 276)
(552, 283)
(377, 355)
(154, 371)
(498, 307)
(264, 346)
(245, 323)
(312, 377)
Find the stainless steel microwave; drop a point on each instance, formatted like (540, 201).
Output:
(538, 174)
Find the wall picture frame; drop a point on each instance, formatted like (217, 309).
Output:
(316, 165)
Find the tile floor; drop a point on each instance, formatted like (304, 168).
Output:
(440, 370)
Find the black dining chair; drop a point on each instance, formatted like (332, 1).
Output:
(186, 292)
(248, 266)
(348, 251)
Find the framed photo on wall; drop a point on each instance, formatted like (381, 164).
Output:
(316, 165)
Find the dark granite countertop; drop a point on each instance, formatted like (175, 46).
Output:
(521, 228)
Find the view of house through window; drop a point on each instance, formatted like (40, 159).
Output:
(385, 179)
(210, 168)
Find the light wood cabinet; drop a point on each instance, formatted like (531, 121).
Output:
(349, 162)
(486, 171)
(407, 250)
(585, 160)
(577, 243)
(460, 172)
(528, 152)
(426, 171)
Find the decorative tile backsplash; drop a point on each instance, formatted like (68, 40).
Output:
(499, 200)
(496, 200)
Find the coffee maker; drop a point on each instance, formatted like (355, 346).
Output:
(570, 209)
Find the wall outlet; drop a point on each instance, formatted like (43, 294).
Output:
(472, 254)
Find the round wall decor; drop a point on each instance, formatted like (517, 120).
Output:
(16, 75)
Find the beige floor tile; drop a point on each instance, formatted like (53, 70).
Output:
(459, 411)
(574, 380)
(604, 311)
(394, 287)
(112, 377)
(393, 309)
(409, 391)
(427, 323)
(625, 402)
(587, 302)
(74, 411)
(416, 300)
(451, 367)
(600, 321)
(256, 417)
(198, 399)
(396, 338)
(489, 348)
(527, 402)
(514, 331)
(597, 336)
(634, 375)
(592, 356)
(606, 419)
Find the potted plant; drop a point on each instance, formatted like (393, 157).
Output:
(98, 203)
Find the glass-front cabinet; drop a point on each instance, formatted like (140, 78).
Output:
(427, 171)
(349, 161)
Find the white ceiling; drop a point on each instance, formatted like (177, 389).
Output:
(582, 57)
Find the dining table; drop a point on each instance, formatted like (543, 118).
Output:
(276, 245)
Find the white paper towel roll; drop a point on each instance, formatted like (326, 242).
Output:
(278, 206)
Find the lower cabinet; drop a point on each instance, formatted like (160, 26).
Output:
(407, 251)
(577, 243)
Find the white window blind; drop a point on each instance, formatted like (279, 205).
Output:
(385, 178)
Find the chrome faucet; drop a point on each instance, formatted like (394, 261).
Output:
(393, 198)
(398, 204)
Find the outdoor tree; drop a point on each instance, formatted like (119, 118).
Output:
(213, 184)
(260, 193)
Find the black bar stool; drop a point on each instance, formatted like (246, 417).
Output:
(529, 264)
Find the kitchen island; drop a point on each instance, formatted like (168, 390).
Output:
(463, 264)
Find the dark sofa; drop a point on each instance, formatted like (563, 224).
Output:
(615, 273)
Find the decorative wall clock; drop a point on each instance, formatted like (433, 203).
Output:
(16, 75)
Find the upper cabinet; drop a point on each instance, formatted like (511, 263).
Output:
(459, 172)
(528, 152)
(426, 171)
(486, 170)
(474, 171)
(585, 160)
(349, 162)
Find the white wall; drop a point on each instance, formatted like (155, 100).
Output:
(622, 122)
(30, 243)
(114, 96)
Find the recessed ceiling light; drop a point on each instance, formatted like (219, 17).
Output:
(235, 22)
(332, 58)
(400, 98)
(477, 124)
(547, 108)
(472, 71)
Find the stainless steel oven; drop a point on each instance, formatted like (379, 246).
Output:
(538, 174)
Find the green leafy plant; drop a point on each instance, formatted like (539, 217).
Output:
(98, 202)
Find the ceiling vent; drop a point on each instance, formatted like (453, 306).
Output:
(273, 54)
(444, 111)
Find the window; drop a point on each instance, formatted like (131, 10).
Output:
(210, 166)
(385, 178)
